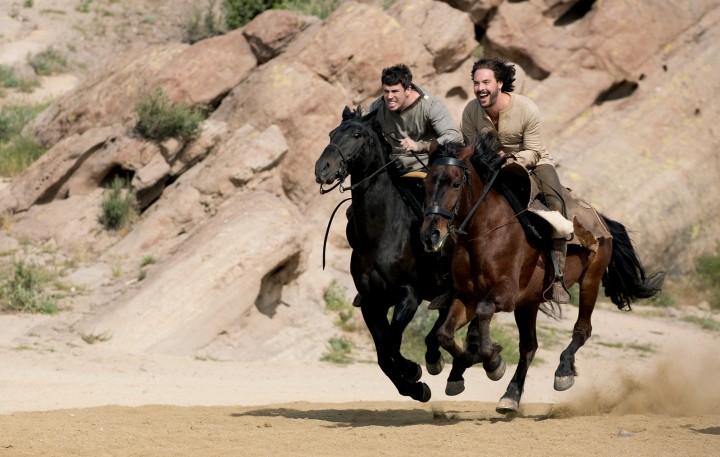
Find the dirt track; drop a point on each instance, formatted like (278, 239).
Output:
(351, 429)
(86, 401)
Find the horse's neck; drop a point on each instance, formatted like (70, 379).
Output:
(492, 212)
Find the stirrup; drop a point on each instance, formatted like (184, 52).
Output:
(560, 294)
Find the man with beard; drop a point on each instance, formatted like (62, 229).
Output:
(413, 121)
(516, 120)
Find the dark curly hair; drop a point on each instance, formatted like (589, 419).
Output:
(502, 69)
(397, 74)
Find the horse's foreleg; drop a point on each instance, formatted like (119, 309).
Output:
(566, 371)
(403, 313)
(526, 320)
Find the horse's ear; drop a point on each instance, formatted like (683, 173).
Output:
(347, 113)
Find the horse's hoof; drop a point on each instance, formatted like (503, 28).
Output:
(435, 368)
(507, 406)
(454, 388)
(426, 393)
(415, 377)
(498, 372)
(564, 382)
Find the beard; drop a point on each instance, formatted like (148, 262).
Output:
(487, 98)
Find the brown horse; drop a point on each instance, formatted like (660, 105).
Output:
(496, 268)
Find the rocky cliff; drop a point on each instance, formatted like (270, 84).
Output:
(234, 217)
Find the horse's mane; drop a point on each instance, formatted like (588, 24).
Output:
(370, 119)
(484, 158)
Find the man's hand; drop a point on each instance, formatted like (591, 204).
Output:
(409, 145)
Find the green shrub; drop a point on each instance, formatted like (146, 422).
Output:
(16, 151)
(147, 260)
(202, 24)
(83, 6)
(336, 301)
(239, 12)
(707, 323)
(708, 269)
(318, 8)
(48, 62)
(14, 118)
(8, 78)
(18, 154)
(159, 118)
(117, 205)
(339, 351)
(24, 291)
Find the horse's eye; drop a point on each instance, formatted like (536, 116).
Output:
(456, 184)
(356, 135)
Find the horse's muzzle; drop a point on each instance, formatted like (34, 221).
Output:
(433, 240)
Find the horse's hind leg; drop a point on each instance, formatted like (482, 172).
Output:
(589, 289)
(526, 320)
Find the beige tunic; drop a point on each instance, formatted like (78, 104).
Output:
(518, 129)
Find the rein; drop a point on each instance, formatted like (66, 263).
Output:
(327, 230)
(461, 230)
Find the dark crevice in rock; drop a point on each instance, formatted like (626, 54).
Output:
(52, 192)
(480, 31)
(617, 91)
(482, 26)
(528, 64)
(576, 12)
(270, 296)
(458, 92)
(116, 172)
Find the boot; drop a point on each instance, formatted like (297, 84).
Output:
(559, 250)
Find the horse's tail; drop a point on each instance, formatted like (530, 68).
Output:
(625, 280)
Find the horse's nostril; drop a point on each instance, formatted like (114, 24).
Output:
(435, 236)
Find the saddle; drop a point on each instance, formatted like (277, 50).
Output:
(542, 224)
(412, 190)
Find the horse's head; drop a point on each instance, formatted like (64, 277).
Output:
(444, 184)
(451, 168)
(347, 141)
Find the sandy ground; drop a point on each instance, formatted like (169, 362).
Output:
(647, 386)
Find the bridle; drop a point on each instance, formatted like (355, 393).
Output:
(343, 168)
(450, 216)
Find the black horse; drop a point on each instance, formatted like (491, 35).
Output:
(389, 264)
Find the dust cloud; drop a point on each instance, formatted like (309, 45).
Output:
(681, 383)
